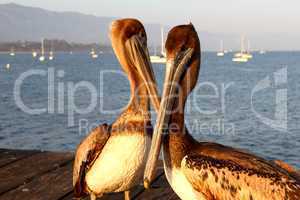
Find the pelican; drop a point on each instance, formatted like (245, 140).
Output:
(112, 157)
(203, 170)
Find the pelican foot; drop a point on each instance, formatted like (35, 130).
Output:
(127, 195)
(93, 196)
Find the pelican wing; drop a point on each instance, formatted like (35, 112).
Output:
(288, 168)
(87, 152)
(221, 172)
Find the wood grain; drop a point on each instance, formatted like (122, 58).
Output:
(55, 184)
(10, 156)
(48, 176)
(24, 170)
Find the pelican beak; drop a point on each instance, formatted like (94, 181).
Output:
(175, 68)
(138, 52)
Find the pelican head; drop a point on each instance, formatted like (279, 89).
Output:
(129, 41)
(182, 69)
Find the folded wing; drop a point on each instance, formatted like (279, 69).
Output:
(87, 152)
(221, 172)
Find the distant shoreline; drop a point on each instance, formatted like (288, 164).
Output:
(30, 52)
(56, 45)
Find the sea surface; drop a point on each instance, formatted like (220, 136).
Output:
(53, 105)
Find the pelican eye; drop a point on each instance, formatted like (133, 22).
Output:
(142, 34)
(183, 48)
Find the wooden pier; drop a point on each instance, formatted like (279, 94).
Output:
(48, 175)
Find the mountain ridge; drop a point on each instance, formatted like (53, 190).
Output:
(25, 23)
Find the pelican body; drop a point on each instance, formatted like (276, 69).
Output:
(202, 170)
(112, 157)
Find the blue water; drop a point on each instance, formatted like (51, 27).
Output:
(226, 116)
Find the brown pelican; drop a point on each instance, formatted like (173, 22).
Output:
(202, 170)
(112, 157)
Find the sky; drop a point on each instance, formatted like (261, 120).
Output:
(276, 18)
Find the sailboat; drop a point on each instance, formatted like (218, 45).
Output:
(51, 53)
(7, 66)
(221, 53)
(93, 54)
(239, 57)
(162, 57)
(262, 51)
(12, 52)
(248, 54)
(42, 57)
(34, 54)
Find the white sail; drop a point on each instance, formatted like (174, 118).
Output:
(34, 54)
(162, 57)
(51, 53)
(93, 54)
(221, 52)
(12, 52)
(244, 55)
(163, 53)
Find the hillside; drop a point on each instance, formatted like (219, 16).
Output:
(22, 23)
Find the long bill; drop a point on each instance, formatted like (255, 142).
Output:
(175, 68)
(139, 54)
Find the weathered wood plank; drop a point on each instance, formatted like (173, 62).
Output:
(47, 175)
(10, 156)
(23, 171)
(117, 196)
(49, 186)
(113, 196)
(160, 190)
(158, 194)
(2, 150)
(159, 173)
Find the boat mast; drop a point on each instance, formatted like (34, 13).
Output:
(52, 48)
(221, 46)
(42, 47)
(155, 50)
(248, 46)
(162, 41)
(242, 44)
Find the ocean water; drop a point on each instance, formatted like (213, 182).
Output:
(52, 106)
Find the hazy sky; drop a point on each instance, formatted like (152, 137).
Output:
(230, 16)
(250, 17)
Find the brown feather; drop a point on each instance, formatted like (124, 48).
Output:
(226, 173)
(289, 168)
(87, 152)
